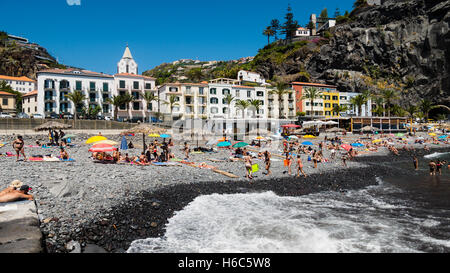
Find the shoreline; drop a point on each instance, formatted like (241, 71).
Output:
(146, 215)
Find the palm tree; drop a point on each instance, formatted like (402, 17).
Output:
(389, 95)
(359, 101)
(77, 98)
(398, 111)
(116, 101)
(426, 106)
(379, 110)
(172, 102)
(411, 110)
(149, 97)
(280, 90)
(242, 104)
(311, 94)
(256, 104)
(339, 109)
(268, 32)
(228, 101)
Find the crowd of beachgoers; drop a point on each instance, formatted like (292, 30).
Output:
(74, 183)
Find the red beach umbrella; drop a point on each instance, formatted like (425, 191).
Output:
(98, 148)
(291, 126)
(346, 147)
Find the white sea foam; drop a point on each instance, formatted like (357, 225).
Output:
(434, 155)
(355, 221)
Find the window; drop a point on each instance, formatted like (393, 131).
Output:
(135, 95)
(136, 106)
(105, 108)
(327, 97)
(226, 92)
(225, 110)
(200, 90)
(213, 91)
(135, 85)
(307, 103)
(327, 113)
(92, 86)
(335, 98)
(260, 94)
(121, 84)
(249, 94)
(327, 105)
(238, 93)
(150, 107)
(344, 98)
(214, 101)
(214, 110)
(78, 85)
(105, 87)
(5, 102)
(148, 86)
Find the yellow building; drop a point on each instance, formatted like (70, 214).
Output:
(7, 102)
(330, 100)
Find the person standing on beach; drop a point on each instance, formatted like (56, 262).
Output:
(186, 150)
(300, 166)
(267, 161)
(432, 166)
(416, 162)
(289, 160)
(248, 165)
(18, 145)
(439, 167)
(344, 159)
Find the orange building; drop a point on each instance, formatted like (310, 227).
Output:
(299, 88)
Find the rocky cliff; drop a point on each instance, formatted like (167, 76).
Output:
(403, 45)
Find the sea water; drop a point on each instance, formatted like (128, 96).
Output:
(403, 214)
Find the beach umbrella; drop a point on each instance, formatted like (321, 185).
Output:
(290, 126)
(376, 141)
(432, 134)
(400, 134)
(224, 144)
(164, 136)
(346, 147)
(95, 139)
(69, 136)
(212, 142)
(222, 139)
(259, 138)
(102, 148)
(442, 137)
(145, 129)
(293, 137)
(52, 125)
(308, 143)
(357, 145)
(309, 136)
(368, 129)
(123, 144)
(154, 135)
(107, 141)
(240, 145)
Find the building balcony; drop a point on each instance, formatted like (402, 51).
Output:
(64, 89)
(49, 99)
(64, 99)
(134, 88)
(202, 95)
(122, 88)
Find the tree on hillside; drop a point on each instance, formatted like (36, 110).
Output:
(290, 26)
(275, 25)
(268, 32)
(337, 13)
(359, 3)
(195, 74)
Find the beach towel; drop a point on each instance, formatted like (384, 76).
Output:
(286, 162)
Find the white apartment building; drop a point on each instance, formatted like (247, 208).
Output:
(30, 102)
(288, 107)
(302, 32)
(55, 84)
(191, 100)
(21, 84)
(248, 76)
(218, 107)
(345, 100)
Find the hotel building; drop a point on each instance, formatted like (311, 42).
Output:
(21, 84)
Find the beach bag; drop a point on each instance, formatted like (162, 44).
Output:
(255, 168)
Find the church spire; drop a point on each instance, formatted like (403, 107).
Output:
(127, 53)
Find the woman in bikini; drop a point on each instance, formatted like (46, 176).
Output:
(18, 145)
(63, 154)
(300, 166)
(248, 165)
(267, 161)
(289, 159)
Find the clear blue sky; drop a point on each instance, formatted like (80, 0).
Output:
(93, 35)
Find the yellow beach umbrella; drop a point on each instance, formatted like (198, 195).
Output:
(432, 134)
(154, 135)
(376, 141)
(95, 139)
(259, 138)
(309, 136)
(107, 141)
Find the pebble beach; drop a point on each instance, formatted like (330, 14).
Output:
(104, 207)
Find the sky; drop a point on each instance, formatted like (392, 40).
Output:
(93, 34)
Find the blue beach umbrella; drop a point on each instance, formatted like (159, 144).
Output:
(224, 144)
(357, 145)
(443, 137)
(308, 143)
(164, 136)
(123, 144)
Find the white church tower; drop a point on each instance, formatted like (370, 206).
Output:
(127, 63)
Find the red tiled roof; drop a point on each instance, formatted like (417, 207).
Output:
(313, 84)
(72, 70)
(23, 78)
(32, 93)
(244, 87)
(6, 94)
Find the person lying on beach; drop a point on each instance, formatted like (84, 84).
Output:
(18, 145)
(15, 185)
(12, 195)
(63, 154)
